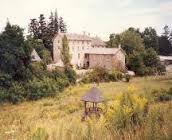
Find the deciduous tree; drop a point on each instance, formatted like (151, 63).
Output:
(150, 38)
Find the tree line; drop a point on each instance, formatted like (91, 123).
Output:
(149, 38)
(142, 48)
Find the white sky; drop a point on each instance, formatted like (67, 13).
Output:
(98, 17)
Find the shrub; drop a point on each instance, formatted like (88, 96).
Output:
(3, 95)
(113, 76)
(16, 92)
(161, 95)
(98, 75)
(42, 84)
(101, 75)
(71, 75)
(126, 112)
(5, 80)
(127, 77)
(38, 69)
(37, 89)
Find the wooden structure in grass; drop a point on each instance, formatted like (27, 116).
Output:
(93, 96)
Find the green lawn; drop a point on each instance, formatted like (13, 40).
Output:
(21, 121)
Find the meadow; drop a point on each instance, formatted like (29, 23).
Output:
(59, 118)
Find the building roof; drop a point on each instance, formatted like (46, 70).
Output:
(162, 58)
(102, 51)
(93, 95)
(74, 36)
(96, 41)
(35, 56)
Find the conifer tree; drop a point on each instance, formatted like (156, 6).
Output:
(42, 27)
(62, 25)
(34, 28)
(56, 23)
(51, 26)
(46, 30)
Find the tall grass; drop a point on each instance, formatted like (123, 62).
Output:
(128, 114)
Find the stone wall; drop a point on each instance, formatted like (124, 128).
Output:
(107, 61)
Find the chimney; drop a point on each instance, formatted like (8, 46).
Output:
(83, 32)
(88, 34)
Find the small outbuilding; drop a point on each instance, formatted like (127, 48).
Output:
(34, 56)
(94, 96)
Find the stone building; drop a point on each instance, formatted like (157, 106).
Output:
(88, 52)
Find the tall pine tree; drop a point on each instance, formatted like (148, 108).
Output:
(62, 25)
(51, 26)
(42, 27)
(34, 28)
(56, 23)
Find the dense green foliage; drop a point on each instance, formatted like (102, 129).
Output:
(141, 50)
(43, 84)
(162, 95)
(21, 79)
(14, 53)
(150, 38)
(101, 75)
(71, 75)
(165, 42)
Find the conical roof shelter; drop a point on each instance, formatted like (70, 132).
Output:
(93, 95)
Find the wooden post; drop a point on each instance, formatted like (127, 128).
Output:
(85, 107)
(96, 106)
(93, 106)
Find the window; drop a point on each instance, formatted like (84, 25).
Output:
(82, 42)
(78, 55)
(58, 41)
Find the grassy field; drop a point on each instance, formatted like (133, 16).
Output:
(55, 118)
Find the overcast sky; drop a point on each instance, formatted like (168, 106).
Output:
(98, 17)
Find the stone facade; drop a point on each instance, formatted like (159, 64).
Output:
(108, 61)
(88, 52)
